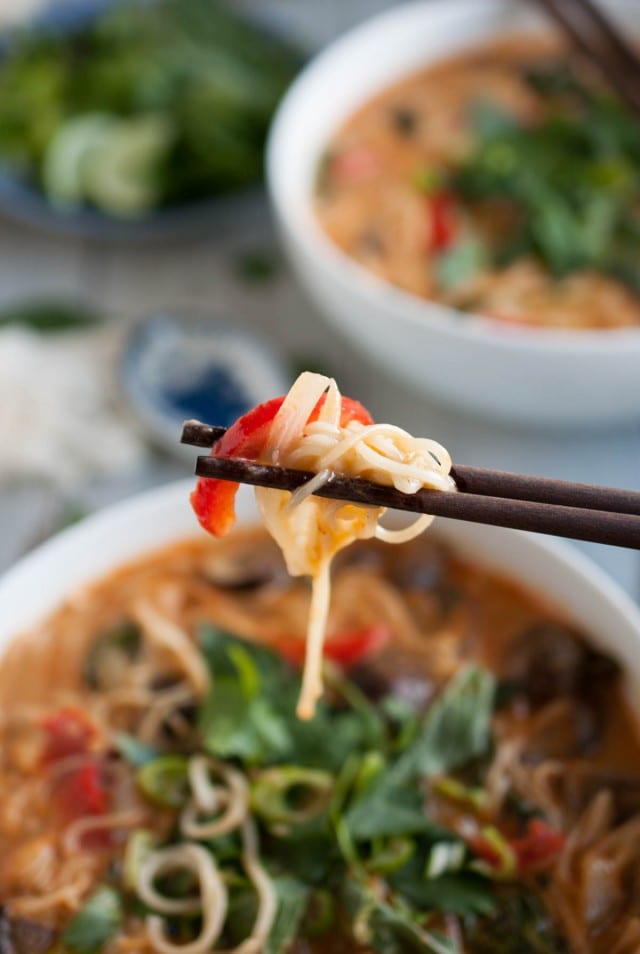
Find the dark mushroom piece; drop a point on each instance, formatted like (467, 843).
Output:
(563, 729)
(393, 672)
(18, 936)
(581, 783)
(549, 660)
(248, 568)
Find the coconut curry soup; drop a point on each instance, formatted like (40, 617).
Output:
(504, 181)
(469, 783)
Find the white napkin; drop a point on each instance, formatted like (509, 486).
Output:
(59, 415)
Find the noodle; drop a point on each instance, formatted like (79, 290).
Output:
(310, 530)
(167, 635)
(211, 902)
(72, 838)
(209, 798)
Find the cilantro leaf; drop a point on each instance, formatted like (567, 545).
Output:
(456, 728)
(389, 927)
(293, 900)
(95, 923)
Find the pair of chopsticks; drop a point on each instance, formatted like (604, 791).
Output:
(593, 33)
(539, 504)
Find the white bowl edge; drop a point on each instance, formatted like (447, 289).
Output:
(118, 535)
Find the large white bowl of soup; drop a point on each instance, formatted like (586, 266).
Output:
(458, 194)
(472, 774)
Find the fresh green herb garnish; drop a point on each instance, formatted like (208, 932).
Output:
(145, 105)
(339, 805)
(95, 923)
(164, 781)
(570, 185)
(293, 900)
(49, 317)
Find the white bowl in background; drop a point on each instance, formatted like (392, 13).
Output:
(120, 534)
(537, 376)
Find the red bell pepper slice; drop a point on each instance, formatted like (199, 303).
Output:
(68, 732)
(213, 501)
(80, 790)
(538, 847)
(443, 221)
(346, 648)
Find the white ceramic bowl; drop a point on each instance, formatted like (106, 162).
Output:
(93, 548)
(519, 374)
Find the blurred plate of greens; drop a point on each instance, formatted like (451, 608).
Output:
(136, 119)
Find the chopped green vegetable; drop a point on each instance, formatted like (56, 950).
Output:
(144, 105)
(165, 781)
(289, 795)
(95, 923)
(445, 856)
(139, 846)
(462, 262)
(49, 317)
(293, 899)
(390, 927)
(456, 728)
(571, 182)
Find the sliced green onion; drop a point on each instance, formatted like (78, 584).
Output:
(392, 855)
(291, 795)
(321, 913)
(139, 846)
(165, 781)
(475, 798)
(371, 765)
(506, 862)
(445, 856)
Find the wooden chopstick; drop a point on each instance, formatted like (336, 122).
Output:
(622, 530)
(594, 35)
(491, 483)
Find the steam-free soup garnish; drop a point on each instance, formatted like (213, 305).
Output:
(504, 181)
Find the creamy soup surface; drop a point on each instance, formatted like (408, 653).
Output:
(472, 774)
(503, 181)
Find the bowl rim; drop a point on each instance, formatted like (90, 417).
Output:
(107, 530)
(342, 269)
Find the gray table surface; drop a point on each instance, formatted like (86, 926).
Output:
(130, 282)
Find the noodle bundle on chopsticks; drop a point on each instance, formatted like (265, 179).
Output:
(318, 430)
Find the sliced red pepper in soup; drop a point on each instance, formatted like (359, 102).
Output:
(68, 732)
(538, 847)
(81, 791)
(346, 648)
(443, 221)
(213, 501)
(79, 788)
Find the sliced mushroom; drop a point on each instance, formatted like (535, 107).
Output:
(581, 784)
(247, 567)
(18, 936)
(549, 660)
